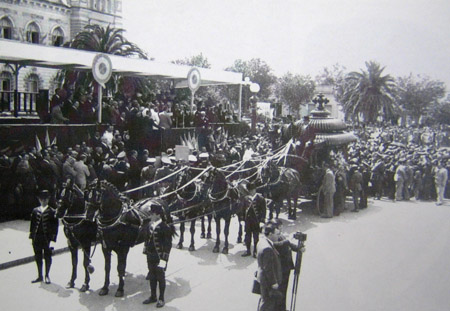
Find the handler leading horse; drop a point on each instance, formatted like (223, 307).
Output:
(80, 231)
(121, 226)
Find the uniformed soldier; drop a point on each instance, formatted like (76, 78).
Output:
(157, 249)
(254, 214)
(162, 172)
(43, 230)
(122, 169)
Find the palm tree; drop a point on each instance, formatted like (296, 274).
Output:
(103, 40)
(369, 94)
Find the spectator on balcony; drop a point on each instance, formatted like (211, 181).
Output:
(165, 121)
(57, 116)
(74, 113)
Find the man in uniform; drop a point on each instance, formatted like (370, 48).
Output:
(157, 249)
(162, 172)
(43, 230)
(255, 212)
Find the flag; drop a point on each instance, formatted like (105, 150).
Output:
(47, 139)
(38, 144)
(54, 141)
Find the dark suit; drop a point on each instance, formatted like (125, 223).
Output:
(43, 230)
(269, 273)
(284, 248)
(157, 248)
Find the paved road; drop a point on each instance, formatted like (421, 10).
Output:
(391, 256)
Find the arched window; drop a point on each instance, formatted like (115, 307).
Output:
(57, 37)
(6, 95)
(32, 83)
(33, 33)
(6, 28)
(5, 81)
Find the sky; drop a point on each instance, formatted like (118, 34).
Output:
(301, 36)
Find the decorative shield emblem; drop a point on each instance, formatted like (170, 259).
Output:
(194, 79)
(102, 68)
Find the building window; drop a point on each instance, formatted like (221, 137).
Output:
(6, 28)
(5, 82)
(57, 37)
(33, 33)
(32, 84)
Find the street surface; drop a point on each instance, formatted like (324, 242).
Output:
(389, 257)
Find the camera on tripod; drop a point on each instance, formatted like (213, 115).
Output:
(300, 236)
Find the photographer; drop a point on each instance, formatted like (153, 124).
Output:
(284, 247)
(269, 270)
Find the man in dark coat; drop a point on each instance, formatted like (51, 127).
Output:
(43, 230)
(157, 249)
(355, 185)
(284, 248)
(255, 212)
(269, 270)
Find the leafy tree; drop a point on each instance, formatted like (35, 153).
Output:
(439, 112)
(370, 94)
(210, 94)
(334, 76)
(259, 72)
(197, 61)
(294, 90)
(417, 94)
(104, 40)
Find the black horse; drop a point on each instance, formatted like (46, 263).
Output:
(224, 200)
(188, 204)
(280, 183)
(80, 232)
(121, 225)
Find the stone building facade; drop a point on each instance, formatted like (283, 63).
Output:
(48, 22)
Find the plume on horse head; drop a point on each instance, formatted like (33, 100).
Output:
(70, 200)
(105, 198)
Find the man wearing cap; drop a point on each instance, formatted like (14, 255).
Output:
(148, 176)
(269, 272)
(284, 248)
(122, 167)
(43, 230)
(162, 172)
(255, 212)
(157, 249)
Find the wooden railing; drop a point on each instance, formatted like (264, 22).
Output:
(18, 103)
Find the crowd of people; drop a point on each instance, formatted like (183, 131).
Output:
(392, 162)
(123, 112)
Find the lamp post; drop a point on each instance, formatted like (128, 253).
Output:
(254, 88)
(245, 82)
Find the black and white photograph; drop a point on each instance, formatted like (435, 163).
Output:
(270, 155)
